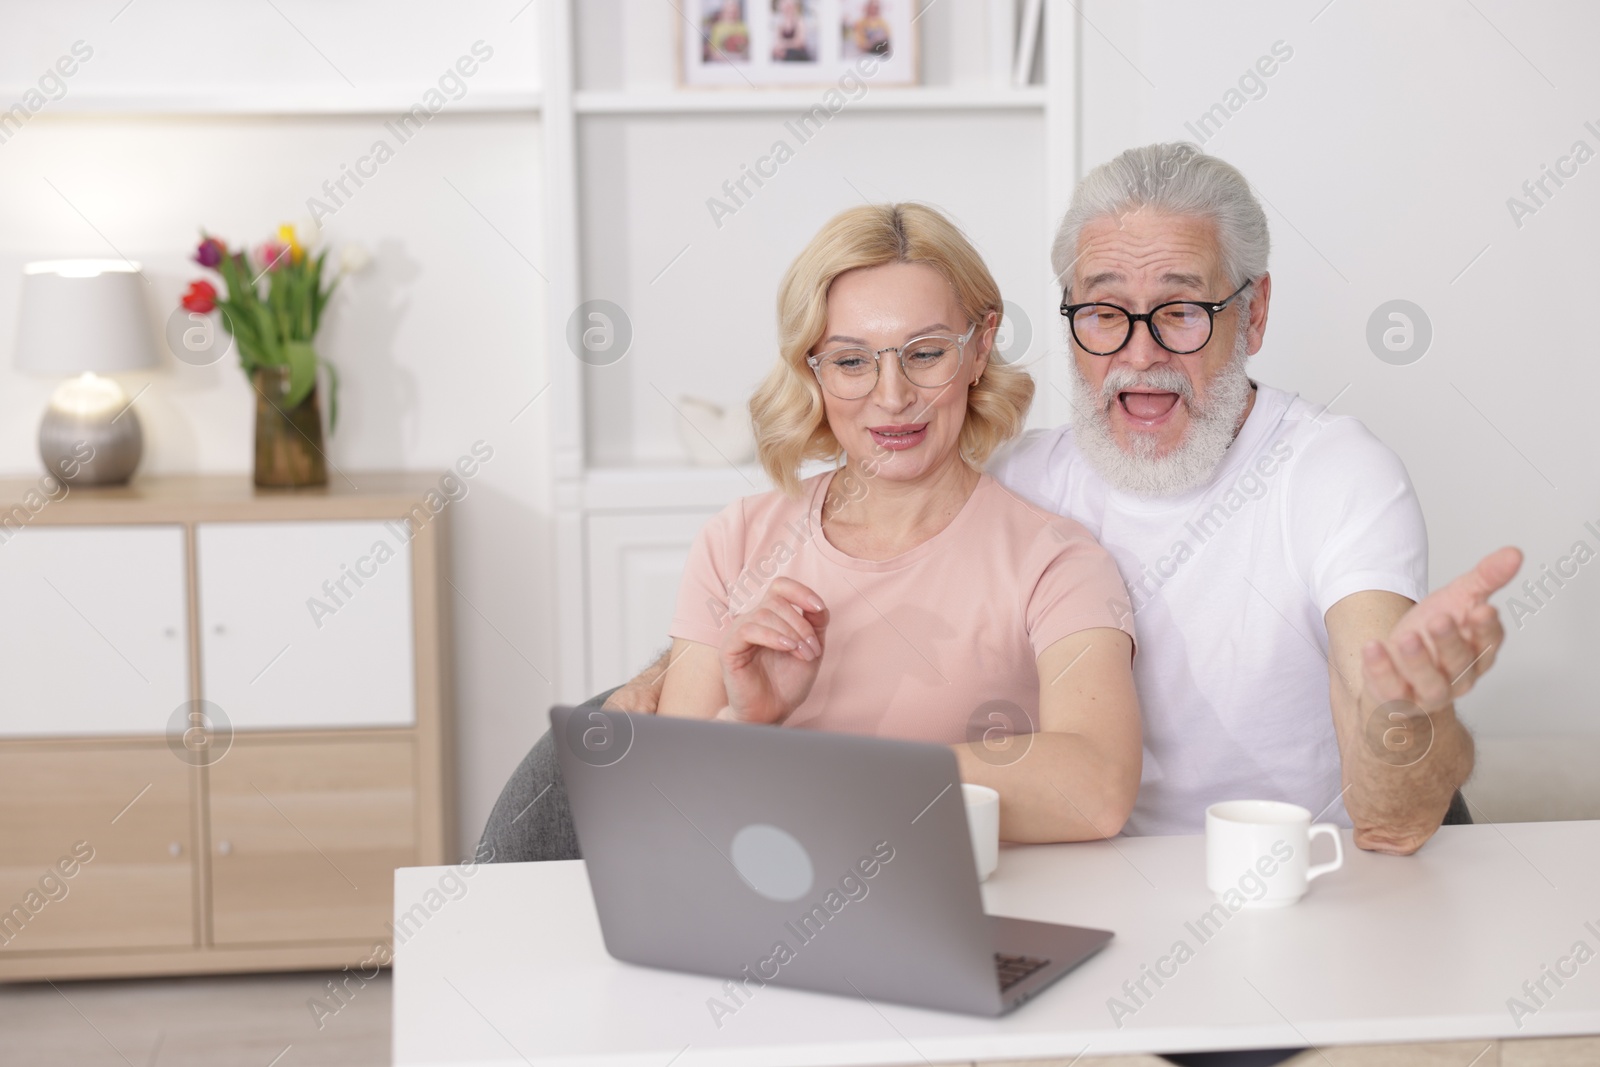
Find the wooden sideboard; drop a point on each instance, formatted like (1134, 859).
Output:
(224, 721)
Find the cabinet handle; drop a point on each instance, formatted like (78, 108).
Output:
(175, 849)
(170, 631)
(224, 847)
(219, 629)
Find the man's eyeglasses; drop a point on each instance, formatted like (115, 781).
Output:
(1180, 326)
(928, 362)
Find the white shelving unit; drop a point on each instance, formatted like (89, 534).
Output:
(279, 100)
(701, 101)
(622, 143)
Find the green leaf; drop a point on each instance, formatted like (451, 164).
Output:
(230, 280)
(333, 394)
(319, 296)
(302, 360)
(277, 300)
(307, 306)
(241, 287)
(267, 333)
(235, 320)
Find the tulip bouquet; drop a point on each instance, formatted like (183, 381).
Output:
(274, 326)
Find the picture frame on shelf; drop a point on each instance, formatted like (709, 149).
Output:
(761, 44)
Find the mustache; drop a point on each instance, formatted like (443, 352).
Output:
(1161, 378)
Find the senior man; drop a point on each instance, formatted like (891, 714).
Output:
(1275, 553)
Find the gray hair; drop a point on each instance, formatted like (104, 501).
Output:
(1178, 179)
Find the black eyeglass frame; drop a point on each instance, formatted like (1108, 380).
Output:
(1069, 311)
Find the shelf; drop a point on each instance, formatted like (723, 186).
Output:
(285, 100)
(724, 101)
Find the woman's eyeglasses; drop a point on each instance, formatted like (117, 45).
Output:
(928, 362)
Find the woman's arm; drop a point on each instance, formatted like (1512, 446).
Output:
(765, 667)
(1076, 779)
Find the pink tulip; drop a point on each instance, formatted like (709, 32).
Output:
(273, 255)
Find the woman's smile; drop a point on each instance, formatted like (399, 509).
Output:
(897, 437)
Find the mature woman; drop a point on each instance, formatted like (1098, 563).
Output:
(903, 592)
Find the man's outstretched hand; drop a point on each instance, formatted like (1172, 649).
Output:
(1444, 643)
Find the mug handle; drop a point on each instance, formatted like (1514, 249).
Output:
(1338, 849)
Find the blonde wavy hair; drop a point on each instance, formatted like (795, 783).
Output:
(791, 425)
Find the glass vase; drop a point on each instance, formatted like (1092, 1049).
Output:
(288, 440)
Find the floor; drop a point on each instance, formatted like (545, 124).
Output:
(271, 1021)
(245, 1020)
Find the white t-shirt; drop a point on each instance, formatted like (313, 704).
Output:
(1229, 585)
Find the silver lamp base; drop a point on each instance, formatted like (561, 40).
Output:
(86, 443)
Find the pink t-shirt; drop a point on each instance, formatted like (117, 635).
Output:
(923, 645)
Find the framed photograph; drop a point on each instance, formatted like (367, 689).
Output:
(763, 44)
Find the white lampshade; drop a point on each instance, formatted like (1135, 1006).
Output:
(82, 315)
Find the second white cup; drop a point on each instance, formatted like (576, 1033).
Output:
(1261, 851)
(983, 819)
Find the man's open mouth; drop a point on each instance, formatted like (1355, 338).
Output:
(1147, 408)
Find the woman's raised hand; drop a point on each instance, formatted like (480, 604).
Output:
(770, 657)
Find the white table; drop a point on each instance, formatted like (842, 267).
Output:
(1428, 947)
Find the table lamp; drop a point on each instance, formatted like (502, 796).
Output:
(84, 318)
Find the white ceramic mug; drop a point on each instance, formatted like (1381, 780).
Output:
(983, 819)
(1259, 851)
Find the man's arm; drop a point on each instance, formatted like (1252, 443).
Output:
(643, 693)
(1400, 768)
(693, 688)
(1078, 777)
(1395, 671)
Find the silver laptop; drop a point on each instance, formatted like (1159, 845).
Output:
(789, 857)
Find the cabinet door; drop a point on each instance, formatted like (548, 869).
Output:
(93, 638)
(306, 624)
(635, 566)
(119, 819)
(305, 837)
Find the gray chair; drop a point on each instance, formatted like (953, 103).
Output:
(532, 820)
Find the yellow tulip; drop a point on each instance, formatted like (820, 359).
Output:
(297, 251)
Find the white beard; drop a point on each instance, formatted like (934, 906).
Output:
(1212, 426)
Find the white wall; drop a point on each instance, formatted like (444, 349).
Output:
(438, 344)
(1386, 148)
